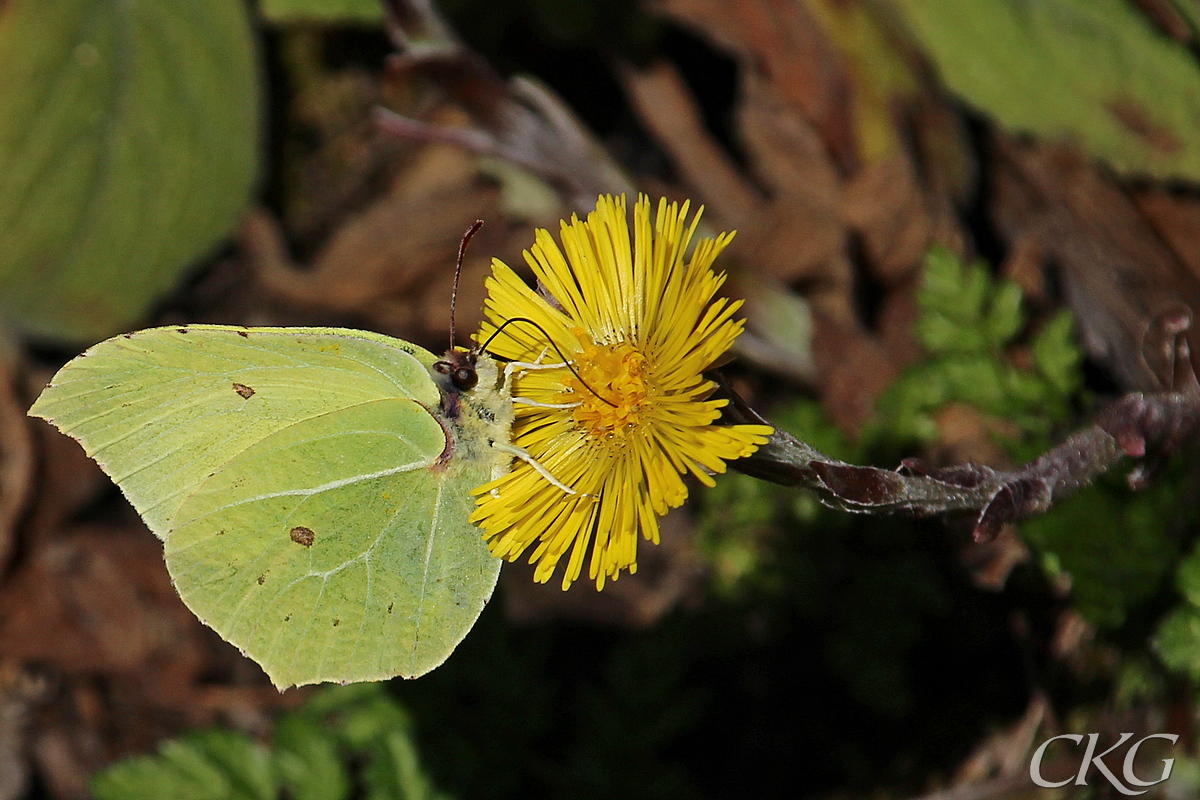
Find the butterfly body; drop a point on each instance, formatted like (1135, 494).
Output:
(480, 416)
(311, 486)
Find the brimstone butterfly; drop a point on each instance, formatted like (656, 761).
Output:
(311, 485)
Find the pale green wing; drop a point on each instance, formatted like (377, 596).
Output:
(312, 511)
(355, 561)
(161, 409)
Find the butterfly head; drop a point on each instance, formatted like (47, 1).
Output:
(461, 367)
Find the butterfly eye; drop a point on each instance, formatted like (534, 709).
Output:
(460, 366)
(465, 378)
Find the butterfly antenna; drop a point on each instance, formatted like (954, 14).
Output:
(566, 361)
(462, 251)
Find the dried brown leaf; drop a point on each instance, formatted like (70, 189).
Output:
(1025, 265)
(96, 599)
(783, 148)
(1176, 218)
(65, 757)
(1167, 18)
(334, 153)
(887, 207)
(801, 244)
(1117, 274)
(990, 563)
(895, 323)
(949, 165)
(855, 369)
(666, 106)
(521, 121)
(967, 434)
(800, 237)
(385, 263)
(782, 43)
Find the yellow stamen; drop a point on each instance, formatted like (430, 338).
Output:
(612, 391)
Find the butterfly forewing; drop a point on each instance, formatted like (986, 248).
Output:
(161, 409)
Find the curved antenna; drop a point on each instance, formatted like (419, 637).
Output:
(566, 361)
(462, 251)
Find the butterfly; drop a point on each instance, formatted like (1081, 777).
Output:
(315, 488)
(311, 486)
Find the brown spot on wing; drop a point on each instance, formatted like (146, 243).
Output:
(303, 535)
(244, 334)
(245, 391)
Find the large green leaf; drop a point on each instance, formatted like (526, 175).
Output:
(128, 140)
(1093, 71)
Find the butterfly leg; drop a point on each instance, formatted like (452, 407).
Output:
(513, 366)
(537, 363)
(525, 401)
(531, 461)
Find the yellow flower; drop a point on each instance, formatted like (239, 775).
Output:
(613, 434)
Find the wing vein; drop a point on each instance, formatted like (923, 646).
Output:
(437, 507)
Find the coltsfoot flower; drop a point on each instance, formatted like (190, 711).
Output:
(612, 435)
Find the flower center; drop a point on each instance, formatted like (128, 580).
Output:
(616, 373)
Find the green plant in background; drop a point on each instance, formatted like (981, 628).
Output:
(128, 145)
(1117, 548)
(737, 529)
(867, 587)
(345, 741)
(1178, 638)
(969, 322)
